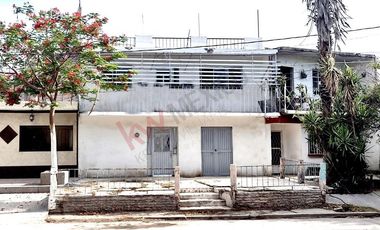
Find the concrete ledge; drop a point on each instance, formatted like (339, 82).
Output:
(278, 199)
(25, 189)
(220, 216)
(118, 203)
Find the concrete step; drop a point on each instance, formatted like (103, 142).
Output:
(204, 195)
(201, 203)
(205, 208)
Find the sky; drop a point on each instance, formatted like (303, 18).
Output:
(218, 18)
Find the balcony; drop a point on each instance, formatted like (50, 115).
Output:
(167, 82)
(298, 100)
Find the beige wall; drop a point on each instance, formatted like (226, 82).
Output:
(10, 154)
(102, 145)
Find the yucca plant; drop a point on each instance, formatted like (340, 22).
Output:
(343, 136)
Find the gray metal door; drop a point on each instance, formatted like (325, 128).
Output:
(216, 151)
(162, 150)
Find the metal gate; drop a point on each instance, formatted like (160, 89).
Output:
(276, 147)
(216, 151)
(162, 147)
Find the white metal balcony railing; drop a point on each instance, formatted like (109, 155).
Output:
(193, 83)
(181, 42)
(299, 100)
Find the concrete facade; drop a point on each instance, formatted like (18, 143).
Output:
(103, 145)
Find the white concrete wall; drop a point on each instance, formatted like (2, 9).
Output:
(102, 145)
(10, 154)
(373, 154)
(295, 145)
(308, 63)
(294, 142)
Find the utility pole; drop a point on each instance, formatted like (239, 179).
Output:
(258, 23)
(199, 25)
(80, 7)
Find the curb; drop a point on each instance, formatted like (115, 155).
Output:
(112, 218)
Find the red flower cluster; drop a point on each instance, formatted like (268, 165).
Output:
(42, 23)
(105, 39)
(77, 16)
(72, 76)
(93, 28)
(13, 97)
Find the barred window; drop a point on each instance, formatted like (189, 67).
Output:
(313, 148)
(221, 78)
(118, 75)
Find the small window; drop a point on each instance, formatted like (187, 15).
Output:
(37, 138)
(313, 148)
(316, 81)
(221, 78)
(171, 78)
(162, 77)
(117, 76)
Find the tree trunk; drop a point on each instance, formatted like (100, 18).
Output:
(53, 158)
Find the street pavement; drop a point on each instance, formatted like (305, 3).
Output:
(36, 220)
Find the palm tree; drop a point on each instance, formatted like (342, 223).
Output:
(330, 18)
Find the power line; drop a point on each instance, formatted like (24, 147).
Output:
(248, 42)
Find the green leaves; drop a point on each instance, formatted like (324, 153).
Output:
(345, 132)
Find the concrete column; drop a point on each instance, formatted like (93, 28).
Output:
(282, 168)
(301, 173)
(233, 177)
(322, 176)
(177, 179)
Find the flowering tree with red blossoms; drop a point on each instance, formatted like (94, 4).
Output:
(52, 53)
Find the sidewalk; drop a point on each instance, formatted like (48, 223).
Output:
(365, 200)
(228, 215)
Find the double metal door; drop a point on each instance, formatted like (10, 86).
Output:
(216, 151)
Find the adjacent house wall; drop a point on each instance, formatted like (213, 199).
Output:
(103, 139)
(373, 154)
(299, 149)
(10, 154)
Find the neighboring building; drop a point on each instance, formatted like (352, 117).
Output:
(300, 66)
(25, 138)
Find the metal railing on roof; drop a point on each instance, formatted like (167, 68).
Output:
(177, 42)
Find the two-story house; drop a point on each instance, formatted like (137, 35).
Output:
(199, 108)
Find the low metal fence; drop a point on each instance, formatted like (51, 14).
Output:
(291, 174)
(114, 181)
